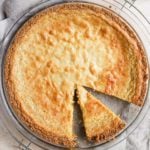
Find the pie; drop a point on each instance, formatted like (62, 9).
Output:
(99, 121)
(67, 45)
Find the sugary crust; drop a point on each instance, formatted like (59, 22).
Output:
(15, 102)
(109, 134)
(142, 65)
(21, 113)
(93, 109)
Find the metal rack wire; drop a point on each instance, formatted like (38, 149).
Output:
(125, 6)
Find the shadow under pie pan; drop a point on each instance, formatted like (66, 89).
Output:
(15, 117)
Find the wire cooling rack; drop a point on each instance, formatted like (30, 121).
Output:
(125, 8)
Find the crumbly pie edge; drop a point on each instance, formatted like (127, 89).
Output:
(36, 128)
(109, 133)
(142, 80)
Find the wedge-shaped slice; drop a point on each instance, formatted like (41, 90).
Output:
(100, 122)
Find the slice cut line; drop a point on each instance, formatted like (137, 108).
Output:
(100, 122)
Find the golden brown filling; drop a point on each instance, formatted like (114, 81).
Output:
(65, 46)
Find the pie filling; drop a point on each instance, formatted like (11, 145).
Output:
(68, 45)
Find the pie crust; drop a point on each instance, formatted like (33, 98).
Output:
(63, 46)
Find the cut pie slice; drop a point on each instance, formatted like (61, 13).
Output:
(100, 122)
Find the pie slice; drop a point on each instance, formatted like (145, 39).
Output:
(100, 123)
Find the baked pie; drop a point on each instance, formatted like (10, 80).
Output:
(99, 121)
(67, 45)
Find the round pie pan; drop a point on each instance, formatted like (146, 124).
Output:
(18, 130)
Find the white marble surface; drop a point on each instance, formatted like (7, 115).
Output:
(139, 140)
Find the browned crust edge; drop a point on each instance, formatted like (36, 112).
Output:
(139, 51)
(12, 95)
(108, 134)
(142, 64)
(21, 114)
(9, 61)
